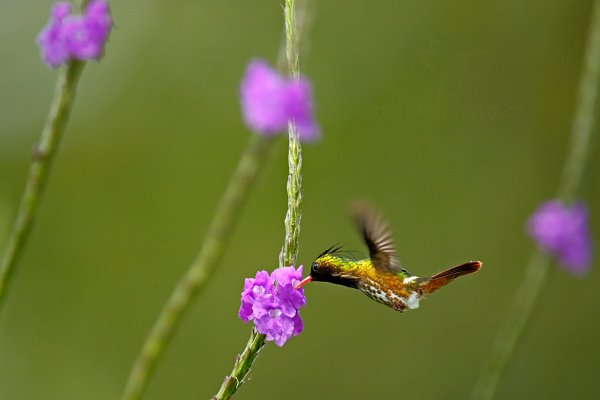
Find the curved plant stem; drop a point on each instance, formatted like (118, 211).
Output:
(203, 267)
(242, 365)
(289, 251)
(537, 270)
(583, 122)
(39, 169)
(509, 334)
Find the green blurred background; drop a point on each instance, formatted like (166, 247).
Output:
(452, 117)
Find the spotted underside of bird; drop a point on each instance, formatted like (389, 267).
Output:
(380, 276)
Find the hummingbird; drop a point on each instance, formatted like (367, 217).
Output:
(380, 276)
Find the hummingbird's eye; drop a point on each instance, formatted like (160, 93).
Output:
(315, 266)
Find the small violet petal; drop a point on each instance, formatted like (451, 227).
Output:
(262, 96)
(300, 109)
(270, 101)
(563, 231)
(51, 39)
(259, 286)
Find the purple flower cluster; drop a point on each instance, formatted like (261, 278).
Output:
(563, 231)
(273, 303)
(270, 101)
(69, 36)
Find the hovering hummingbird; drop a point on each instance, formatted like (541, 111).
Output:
(380, 276)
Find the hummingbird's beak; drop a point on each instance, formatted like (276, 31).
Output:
(303, 282)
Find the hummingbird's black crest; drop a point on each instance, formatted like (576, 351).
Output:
(332, 250)
(336, 250)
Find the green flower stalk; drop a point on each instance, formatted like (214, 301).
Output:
(200, 272)
(43, 155)
(289, 251)
(259, 87)
(536, 272)
(242, 365)
(66, 40)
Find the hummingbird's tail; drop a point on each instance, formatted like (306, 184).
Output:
(434, 282)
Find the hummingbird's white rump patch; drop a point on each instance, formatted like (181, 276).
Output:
(413, 301)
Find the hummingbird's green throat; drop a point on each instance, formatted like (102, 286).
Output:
(380, 276)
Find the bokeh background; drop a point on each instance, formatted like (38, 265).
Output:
(452, 117)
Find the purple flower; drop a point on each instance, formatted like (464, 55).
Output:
(75, 36)
(51, 39)
(272, 303)
(263, 99)
(563, 231)
(253, 288)
(270, 101)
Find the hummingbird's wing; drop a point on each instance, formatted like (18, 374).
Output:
(378, 237)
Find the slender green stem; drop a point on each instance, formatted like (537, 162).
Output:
(203, 267)
(536, 272)
(293, 216)
(289, 251)
(509, 334)
(583, 122)
(39, 169)
(242, 365)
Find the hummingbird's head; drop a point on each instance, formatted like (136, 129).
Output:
(331, 267)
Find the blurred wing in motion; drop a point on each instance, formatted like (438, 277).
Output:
(378, 237)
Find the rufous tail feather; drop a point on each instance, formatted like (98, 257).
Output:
(441, 279)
